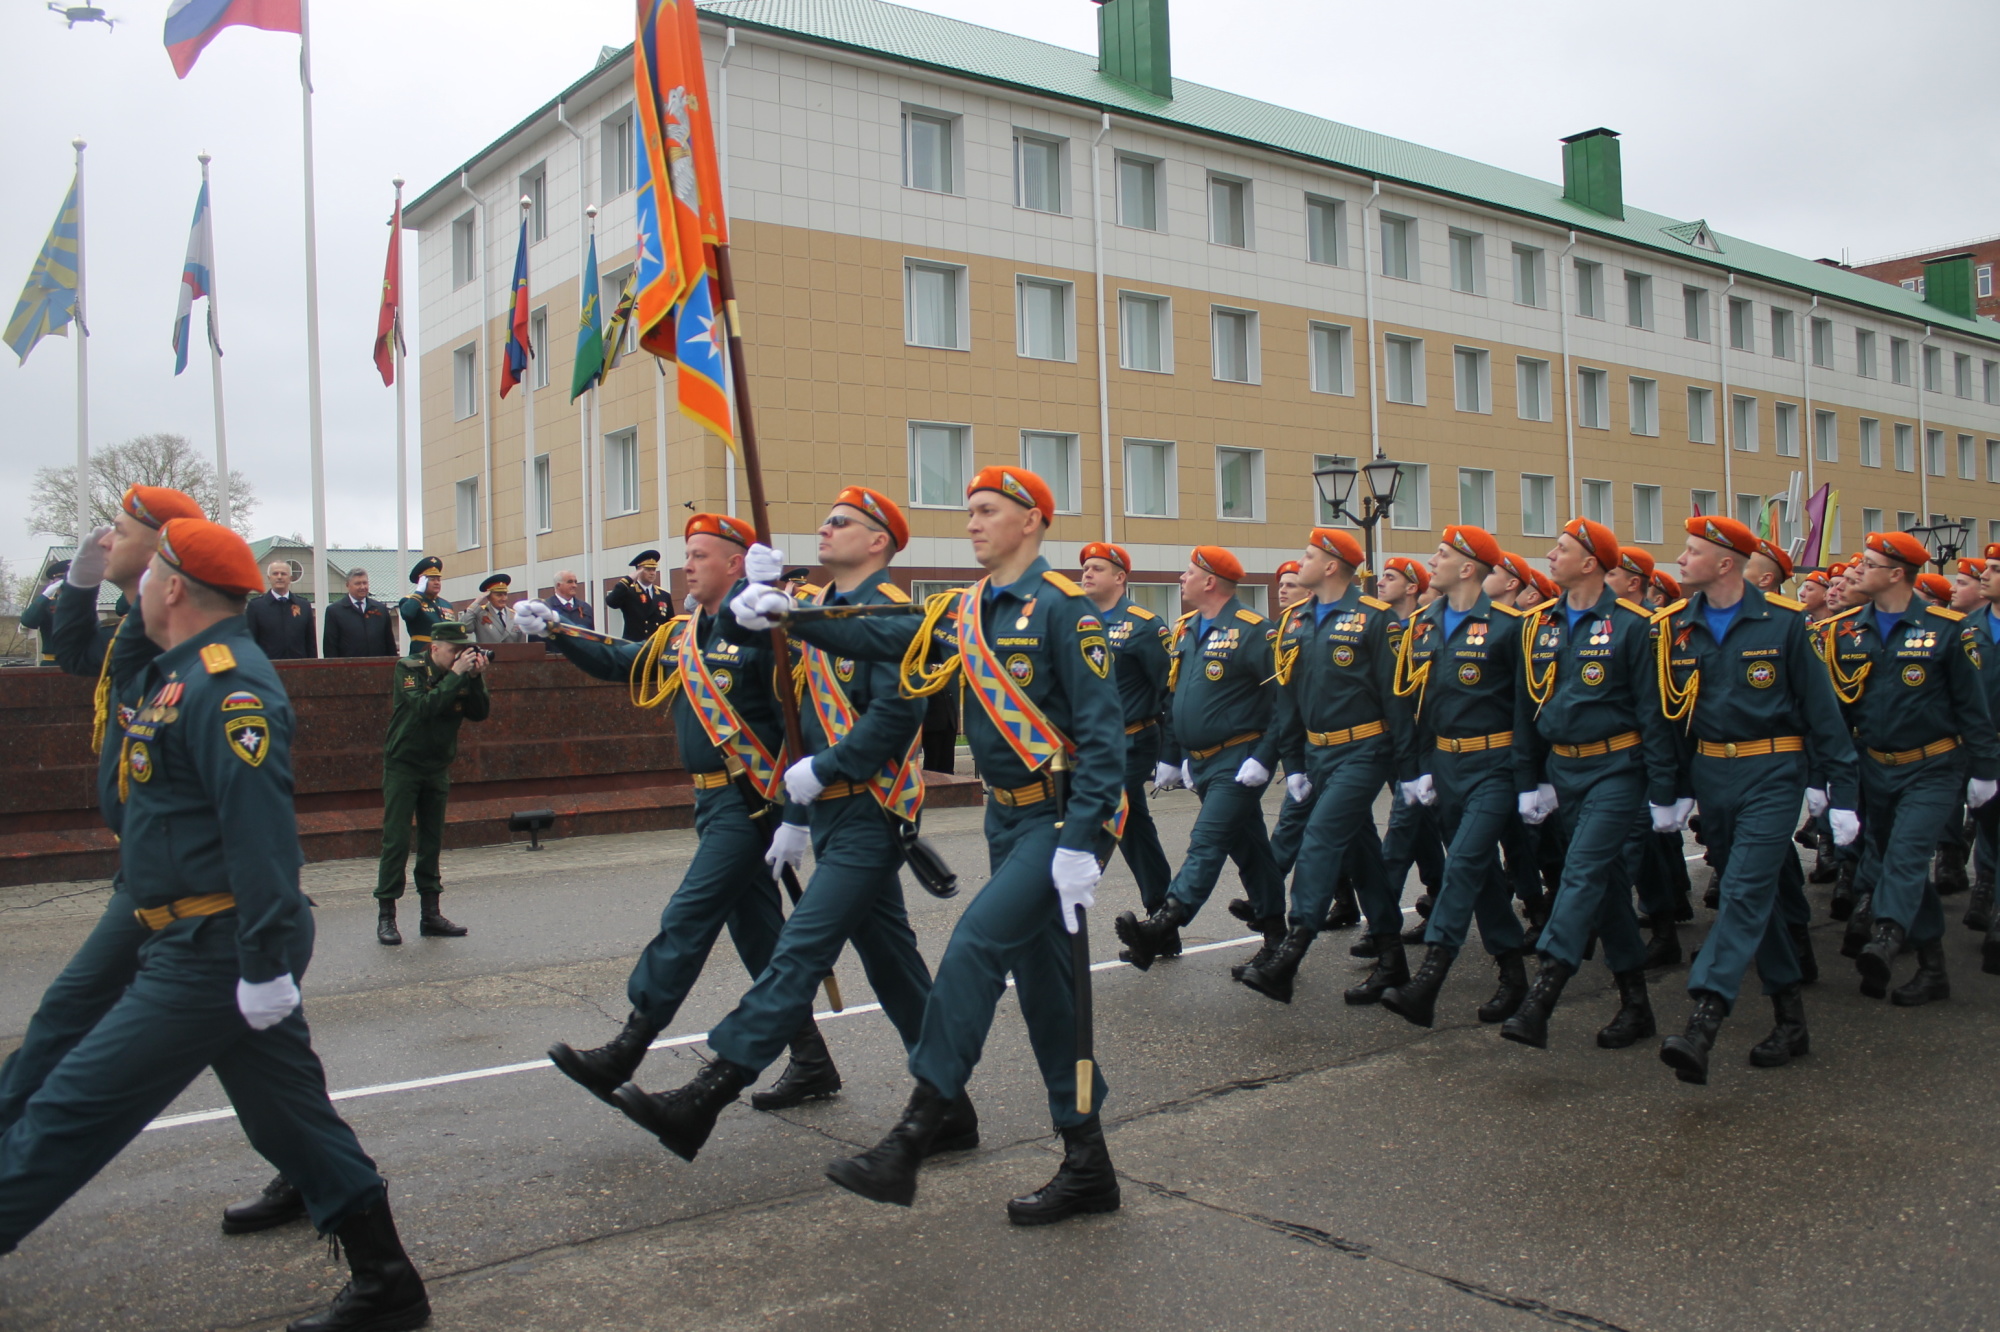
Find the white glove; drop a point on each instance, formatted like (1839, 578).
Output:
(266, 1003)
(86, 567)
(1846, 826)
(1166, 776)
(1816, 801)
(1537, 804)
(1421, 791)
(1672, 818)
(1187, 774)
(757, 606)
(1299, 787)
(788, 848)
(800, 783)
(1076, 874)
(763, 564)
(50, 591)
(535, 617)
(1252, 773)
(1978, 791)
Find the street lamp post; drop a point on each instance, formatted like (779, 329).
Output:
(1381, 478)
(1944, 541)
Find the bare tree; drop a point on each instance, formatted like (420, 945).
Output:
(148, 460)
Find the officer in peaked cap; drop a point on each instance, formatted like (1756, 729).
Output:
(640, 598)
(425, 606)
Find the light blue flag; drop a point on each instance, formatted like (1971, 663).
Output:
(48, 302)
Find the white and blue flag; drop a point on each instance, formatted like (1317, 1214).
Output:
(197, 281)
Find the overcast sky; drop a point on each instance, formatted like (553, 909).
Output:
(1815, 126)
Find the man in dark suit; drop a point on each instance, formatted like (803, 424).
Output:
(639, 595)
(39, 614)
(357, 625)
(281, 623)
(568, 602)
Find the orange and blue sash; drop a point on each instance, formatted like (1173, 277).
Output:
(725, 729)
(898, 787)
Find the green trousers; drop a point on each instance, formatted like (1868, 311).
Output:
(411, 795)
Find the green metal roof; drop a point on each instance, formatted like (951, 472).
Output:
(990, 56)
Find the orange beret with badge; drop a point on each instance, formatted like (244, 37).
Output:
(1668, 588)
(1972, 568)
(1598, 541)
(211, 555)
(1544, 585)
(1475, 543)
(1410, 569)
(1935, 586)
(1341, 545)
(1288, 567)
(156, 506)
(1017, 484)
(1899, 546)
(1635, 561)
(1724, 532)
(1104, 550)
(1517, 568)
(1775, 553)
(721, 525)
(1217, 561)
(881, 510)
(1824, 576)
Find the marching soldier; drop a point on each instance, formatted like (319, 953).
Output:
(1290, 593)
(1979, 913)
(1598, 750)
(1412, 836)
(491, 615)
(425, 606)
(1739, 674)
(1812, 594)
(1288, 833)
(1139, 640)
(640, 598)
(206, 769)
(1663, 893)
(1770, 568)
(431, 694)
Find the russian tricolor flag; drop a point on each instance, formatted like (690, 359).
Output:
(193, 24)
(197, 281)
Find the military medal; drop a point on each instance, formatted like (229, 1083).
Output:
(1027, 609)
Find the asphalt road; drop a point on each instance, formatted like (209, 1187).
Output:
(1311, 1165)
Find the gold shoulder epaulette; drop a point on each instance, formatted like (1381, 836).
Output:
(894, 593)
(1636, 608)
(1185, 618)
(1786, 602)
(1543, 605)
(217, 658)
(1062, 582)
(1376, 602)
(1939, 611)
(1840, 615)
(1140, 611)
(1249, 616)
(1505, 609)
(1665, 611)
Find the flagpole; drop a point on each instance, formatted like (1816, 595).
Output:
(402, 426)
(584, 406)
(315, 433)
(222, 507)
(529, 518)
(83, 523)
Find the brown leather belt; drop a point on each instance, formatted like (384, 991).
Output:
(1902, 756)
(1034, 793)
(1777, 744)
(1243, 739)
(208, 904)
(1139, 726)
(709, 781)
(1348, 736)
(1595, 748)
(1472, 744)
(841, 791)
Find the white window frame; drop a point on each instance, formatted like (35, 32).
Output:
(1412, 510)
(621, 472)
(1531, 286)
(465, 505)
(1642, 405)
(1244, 227)
(1060, 147)
(1538, 491)
(1638, 299)
(1961, 375)
(1968, 458)
(1905, 449)
(465, 381)
(944, 121)
(1534, 368)
(1933, 452)
(1785, 429)
(1316, 236)
(534, 185)
(1702, 501)
(1169, 480)
(1593, 398)
(1472, 369)
(617, 146)
(1900, 371)
(1871, 521)
(1826, 436)
(545, 500)
(1784, 334)
(1983, 275)
(1822, 342)
(538, 343)
(1743, 408)
(464, 249)
(1164, 306)
(1989, 373)
(1484, 510)
(1933, 367)
(1400, 260)
(1413, 350)
(1589, 289)
(1694, 303)
(1322, 510)
(1648, 510)
(954, 492)
(1868, 438)
(1993, 460)
(1596, 493)
(1341, 339)
(962, 315)
(1218, 315)
(1255, 458)
(1742, 324)
(1468, 261)
(1127, 200)
(1065, 298)
(1701, 415)
(1066, 479)
(1864, 352)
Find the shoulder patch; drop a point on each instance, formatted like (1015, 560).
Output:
(811, 590)
(1665, 613)
(1136, 611)
(217, 658)
(1376, 602)
(1249, 616)
(1786, 602)
(1940, 611)
(894, 593)
(1505, 609)
(1062, 582)
(1636, 608)
(249, 738)
(241, 701)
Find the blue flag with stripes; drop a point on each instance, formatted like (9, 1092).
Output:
(48, 302)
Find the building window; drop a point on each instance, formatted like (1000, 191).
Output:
(535, 189)
(1593, 399)
(1871, 521)
(1906, 448)
(1702, 501)
(1038, 173)
(1905, 520)
(1399, 246)
(621, 472)
(538, 344)
(1646, 515)
(467, 509)
(1934, 452)
(1899, 360)
(1235, 335)
(1749, 510)
(1968, 458)
(1474, 393)
(1638, 300)
(1781, 334)
(1743, 423)
(1826, 437)
(1475, 497)
(1538, 505)
(1985, 275)
(1596, 502)
(1326, 230)
(1043, 319)
(1324, 510)
(1864, 353)
(465, 381)
(933, 305)
(1143, 325)
(1529, 288)
(1239, 484)
(1468, 262)
(1531, 389)
(1990, 372)
(1961, 375)
(1871, 442)
(1912, 284)
(1139, 193)
(1163, 599)
(1933, 370)
(1589, 289)
(1785, 429)
(544, 499)
(940, 464)
(1149, 479)
(1742, 325)
(1643, 405)
(927, 152)
(464, 250)
(1229, 211)
(1255, 597)
(1694, 312)
(1822, 343)
(1406, 369)
(1054, 458)
(1412, 509)
(617, 154)
(1701, 416)
(1332, 357)
(1993, 460)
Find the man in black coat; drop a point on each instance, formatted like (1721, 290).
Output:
(357, 625)
(645, 603)
(282, 623)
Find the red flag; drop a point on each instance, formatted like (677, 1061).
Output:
(389, 322)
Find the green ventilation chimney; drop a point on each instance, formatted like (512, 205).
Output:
(1948, 285)
(1132, 44)
(1592, 177)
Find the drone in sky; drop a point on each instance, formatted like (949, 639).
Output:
(76, 14)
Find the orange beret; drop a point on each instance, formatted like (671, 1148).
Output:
(1838, 570)
(1775, 553)
(1598, 541)
(1104, 550)
(1341, 545)
(1822, 576)
(156, 506)
(721, 525)
(1972, 568)
(880, 509)
(1993, 550)
(210, 554)
(1475, 543)
(1545, 585)
(1410, 569)
(1517, 568)
(1899, 546)
(1935, 586)
(1288, 567)
(1017, 484)
(1633, 560)
(1724, 532)
(1216, 560)
(1665, 582)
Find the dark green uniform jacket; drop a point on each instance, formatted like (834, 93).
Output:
(427, 705)
(1140, 640)
(39, 617)
(1605, 683)
(1922, 683)
(1222, 685)
(1474, 675)
(420, 613)
(1342, 675)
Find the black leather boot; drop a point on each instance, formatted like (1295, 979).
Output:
(1506, 1000)
(1392, 968)
(1345, 912)
(1989, 950)
(1416, 999)
(1860, 925)
(1274, 976)
(1788, 1039)
(1530, 1023)
(603, 1070)
(958, 1131)
(278, 1205)
(1273, 930)
(1687, 1053)
(1979, 910)
(385, 922)
(1930, 983)
(1826, 867)
(1802, 948)
(1634, 1020)
(1367, 946)
(1240, 908)
(1841, 906)
(383, 1291)
(431, 923)
(1880, 954)
(683, 1118)
(1663, 950)
(1085, 1182)
(1155, 937)
(809, 1075)
(887, 1172)
(1950, 879)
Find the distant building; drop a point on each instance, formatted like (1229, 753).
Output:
(1907, 270)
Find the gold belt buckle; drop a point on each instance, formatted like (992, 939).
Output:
(1729, 749)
